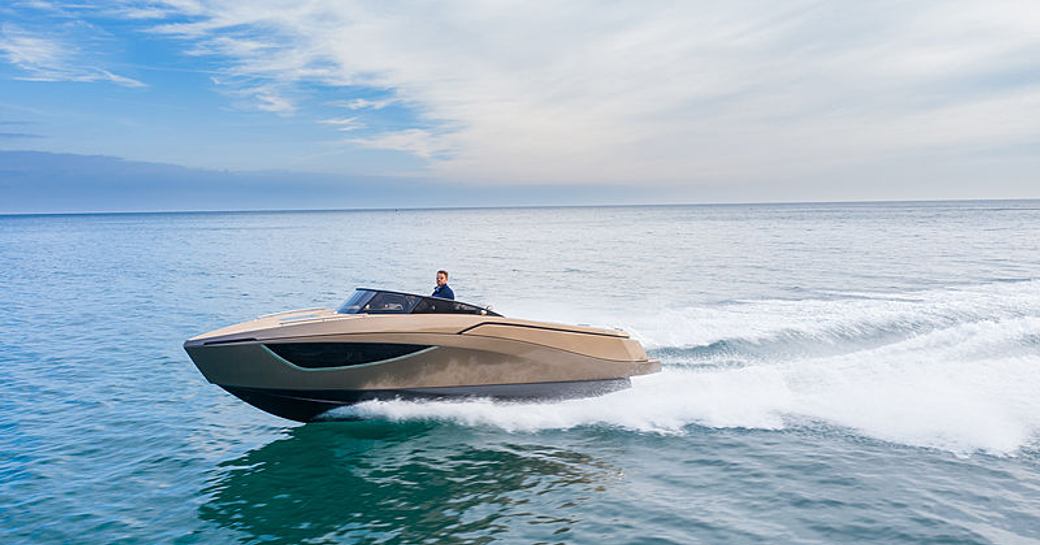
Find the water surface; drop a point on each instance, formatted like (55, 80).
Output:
(832, 373)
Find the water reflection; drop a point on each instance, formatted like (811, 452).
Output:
(378, 482)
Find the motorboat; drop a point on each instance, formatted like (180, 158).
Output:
(384, 344)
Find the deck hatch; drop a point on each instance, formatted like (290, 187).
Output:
(324, 355)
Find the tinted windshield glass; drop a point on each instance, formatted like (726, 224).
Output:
(387, 302)
(391, 303)
(356, 303)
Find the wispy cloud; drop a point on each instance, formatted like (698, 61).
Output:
(344, 123)
(419, 142)
(250, 93)
(142, 12)
(48, 58)
(363, 103)
(270, 101)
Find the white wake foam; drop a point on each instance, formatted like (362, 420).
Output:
(832, 320)
(964, 383)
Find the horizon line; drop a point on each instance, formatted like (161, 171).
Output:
(503, 207)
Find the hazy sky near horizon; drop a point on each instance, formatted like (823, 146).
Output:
(737, 101)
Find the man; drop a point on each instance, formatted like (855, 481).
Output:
(442, 290)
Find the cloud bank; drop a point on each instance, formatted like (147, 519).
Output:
(41, 182)
(663, 91)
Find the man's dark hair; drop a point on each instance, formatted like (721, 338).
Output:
(445, 273)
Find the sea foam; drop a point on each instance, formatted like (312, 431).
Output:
(954, 369)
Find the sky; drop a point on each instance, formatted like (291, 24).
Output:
(213, 104)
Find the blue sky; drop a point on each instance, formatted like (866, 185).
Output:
(480, 103)
(91, 81)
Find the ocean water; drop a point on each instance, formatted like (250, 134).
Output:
(832, 373)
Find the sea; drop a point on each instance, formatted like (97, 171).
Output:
(832, 373)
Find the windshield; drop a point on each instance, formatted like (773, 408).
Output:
(391, 303)
(356, 303)
(365, 301)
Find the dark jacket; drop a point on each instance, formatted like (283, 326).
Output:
(444, 292)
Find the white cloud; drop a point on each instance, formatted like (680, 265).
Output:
(344, 123)
(363, 103)
(248, 95)
(45, 58)
(270, 101)
(27, 51)
(119, 80)
(418, 142)
(658, 91)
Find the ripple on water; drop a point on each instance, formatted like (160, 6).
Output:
(811, 393)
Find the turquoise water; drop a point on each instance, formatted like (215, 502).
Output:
(832, 374)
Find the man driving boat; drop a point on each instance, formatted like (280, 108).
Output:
(442, 290)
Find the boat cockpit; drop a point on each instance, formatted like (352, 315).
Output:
(373, 301)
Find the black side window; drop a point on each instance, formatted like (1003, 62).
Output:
(430, 306)
(440, 306)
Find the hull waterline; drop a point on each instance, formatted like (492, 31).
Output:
(309, 405)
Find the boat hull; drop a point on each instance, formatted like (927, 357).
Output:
(298, 369)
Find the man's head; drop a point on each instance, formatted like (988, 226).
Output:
(442, 278)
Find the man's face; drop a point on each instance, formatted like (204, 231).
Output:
(442, 279)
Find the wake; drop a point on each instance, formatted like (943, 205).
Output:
(955, 369)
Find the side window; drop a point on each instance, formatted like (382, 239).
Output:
(390, 303)
(436, 306)
(430, 306)
(463, 308)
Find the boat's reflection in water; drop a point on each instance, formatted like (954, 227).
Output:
(381, 482)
